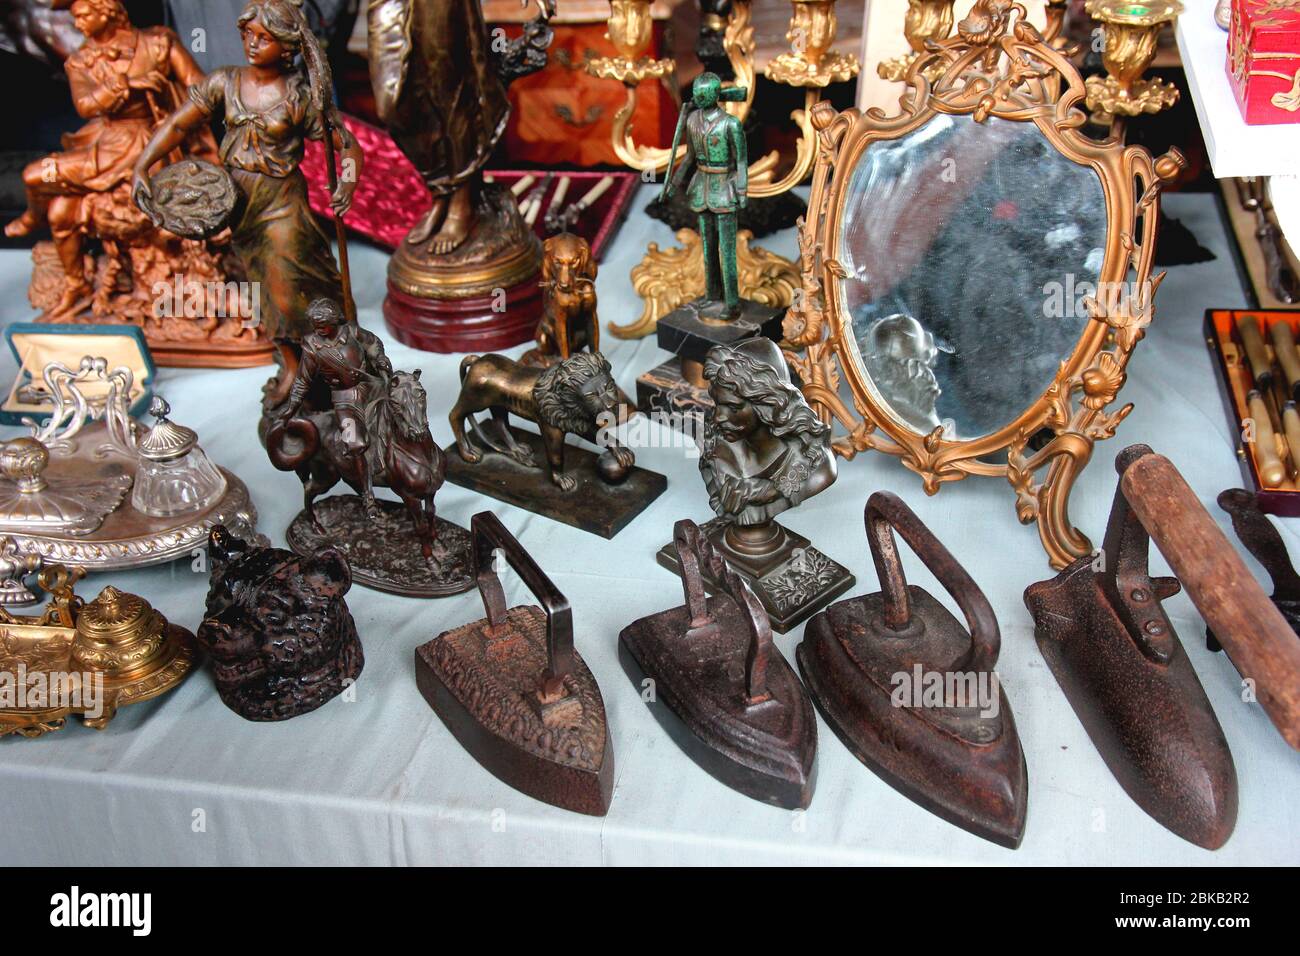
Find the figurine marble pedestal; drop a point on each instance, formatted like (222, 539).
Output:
(676, 390)
(793, 580)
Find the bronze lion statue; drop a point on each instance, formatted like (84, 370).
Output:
(577, 396)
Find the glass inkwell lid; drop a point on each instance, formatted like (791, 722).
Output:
(175, 475)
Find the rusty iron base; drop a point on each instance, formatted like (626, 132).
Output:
(482, 682)
(947, 746)
(766, 751)
(1151, 722)
(967, 769)
(1103, 632)
(793, 581)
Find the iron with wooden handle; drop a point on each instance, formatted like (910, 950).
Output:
(1253, 632)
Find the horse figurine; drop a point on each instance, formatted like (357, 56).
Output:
(401, 455)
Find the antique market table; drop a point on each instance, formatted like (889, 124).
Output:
(379, 780)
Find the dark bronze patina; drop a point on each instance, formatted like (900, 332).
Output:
(514, 691)
(1104, 634)
(576, 396)
(959, 758)
(763, 453)
(720, 687)
(569, 321)
(277, 628)
(373, 432)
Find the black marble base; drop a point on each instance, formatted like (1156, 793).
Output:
(689, 334)
(387, 556)
(593, 506)
(664, 394)
(793, 583)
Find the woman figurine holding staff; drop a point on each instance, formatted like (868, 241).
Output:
(270, 107)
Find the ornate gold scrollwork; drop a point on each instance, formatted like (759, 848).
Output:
(998, 66)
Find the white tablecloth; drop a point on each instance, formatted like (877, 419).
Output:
(183, 780)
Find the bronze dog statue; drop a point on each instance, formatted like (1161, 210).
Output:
(577, 396)
(569, 322)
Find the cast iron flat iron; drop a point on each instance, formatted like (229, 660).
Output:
(912, 693)
(515, 693)
(1101, 627)
(1264, 542)
(722, 690)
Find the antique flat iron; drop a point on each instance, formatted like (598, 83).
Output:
(1101, 627)
(515, 693)
(1265, 544)
(914, 695)
(721, 687)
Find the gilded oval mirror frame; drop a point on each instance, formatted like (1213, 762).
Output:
(997, 68)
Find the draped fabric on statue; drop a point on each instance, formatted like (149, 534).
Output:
(440, 95)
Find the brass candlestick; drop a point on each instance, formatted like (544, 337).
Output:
(925, 20)
(667, 278)
(813, 65)
(928, 20)
(1131, 31)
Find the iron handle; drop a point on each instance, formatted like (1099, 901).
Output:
(1256, 637)
(1262, 540)
(694, 548)
(887, 513)
(490, 534)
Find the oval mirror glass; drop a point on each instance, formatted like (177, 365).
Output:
(969, 248)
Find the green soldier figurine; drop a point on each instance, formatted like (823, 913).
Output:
(715, 146)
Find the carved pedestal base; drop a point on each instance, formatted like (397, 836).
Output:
(793, 581)
(594, 505)
(480, 297)
(386, 556)
(206, 315)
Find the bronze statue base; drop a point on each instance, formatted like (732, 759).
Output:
(480, 297)
(792, 579)
(387, 556)
(175, 341)
(593, 506)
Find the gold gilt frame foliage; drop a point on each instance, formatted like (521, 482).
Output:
(999, 67)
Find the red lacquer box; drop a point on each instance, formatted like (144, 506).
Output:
(1264, 60)
(391, 197)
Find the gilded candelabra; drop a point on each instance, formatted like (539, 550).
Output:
(1131, 31)
(925, 20)
(931, 20)
(668, 278)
